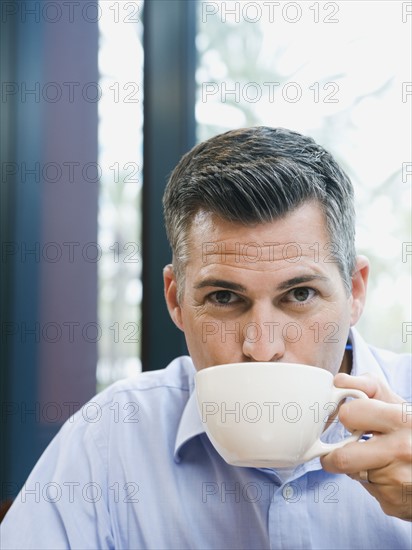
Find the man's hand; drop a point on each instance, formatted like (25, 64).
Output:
(387, 456)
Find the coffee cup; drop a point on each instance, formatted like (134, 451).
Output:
(269, 415)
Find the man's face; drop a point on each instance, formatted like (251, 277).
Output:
(270, 292)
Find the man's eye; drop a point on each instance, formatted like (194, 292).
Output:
(223, 297)
(300, 295)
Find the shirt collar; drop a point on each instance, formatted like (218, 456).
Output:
(363, 359)
(190, 424)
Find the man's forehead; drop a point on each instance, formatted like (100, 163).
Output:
(300, 234)
(251, 252)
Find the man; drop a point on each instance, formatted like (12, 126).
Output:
(261, 225)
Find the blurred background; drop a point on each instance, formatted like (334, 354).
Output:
(99, 100)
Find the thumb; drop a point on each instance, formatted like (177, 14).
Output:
(374, 386)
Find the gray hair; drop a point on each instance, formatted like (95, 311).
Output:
(257, 175)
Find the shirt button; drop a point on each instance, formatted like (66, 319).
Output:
(288, 492)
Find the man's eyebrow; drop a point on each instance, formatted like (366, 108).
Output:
(299, 280)
(221, 283)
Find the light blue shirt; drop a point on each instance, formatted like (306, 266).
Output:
(134, 469)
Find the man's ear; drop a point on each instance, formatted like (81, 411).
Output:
(170, 290)
(359, 285)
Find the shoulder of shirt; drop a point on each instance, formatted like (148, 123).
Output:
(394, 368)
(178, 375)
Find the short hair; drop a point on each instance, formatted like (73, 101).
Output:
(257, 175)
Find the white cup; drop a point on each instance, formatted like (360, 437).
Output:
(269, 415)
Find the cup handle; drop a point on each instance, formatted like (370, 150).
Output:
(319, 448)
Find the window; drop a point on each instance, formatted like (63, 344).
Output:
(120, 159)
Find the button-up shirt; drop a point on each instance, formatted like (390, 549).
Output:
(134, 469)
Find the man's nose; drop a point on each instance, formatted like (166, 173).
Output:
(263, 339)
